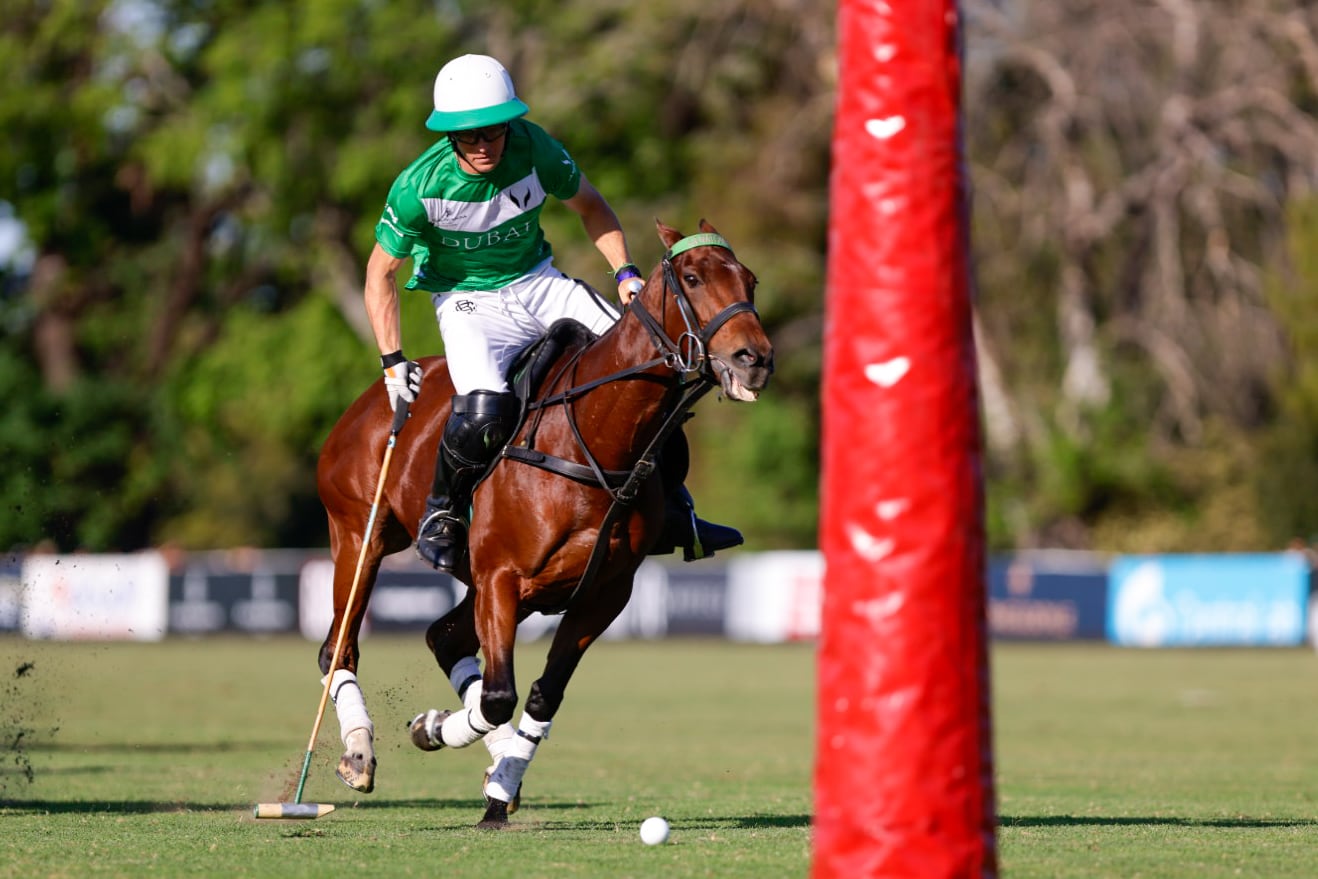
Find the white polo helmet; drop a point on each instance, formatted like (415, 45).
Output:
(471, 92)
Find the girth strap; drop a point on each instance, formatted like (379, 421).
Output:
(614, 479)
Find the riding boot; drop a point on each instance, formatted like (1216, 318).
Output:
(480, 423)
(442, 537)
(682, 527)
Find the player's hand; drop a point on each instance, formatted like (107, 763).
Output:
(402, 379)
(629, 288)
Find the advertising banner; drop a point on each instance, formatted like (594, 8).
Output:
(203, 602)
(1048, 597)
(1208, 600)
(774, 596)
(11, 583)
(95, 597)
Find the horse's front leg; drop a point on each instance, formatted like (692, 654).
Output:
(453, 641)
(580, 627)
(357, 764)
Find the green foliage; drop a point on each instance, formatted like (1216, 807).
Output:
(200, 184)
(1287, 484)
(81, 469)
(756, 468)
(247, 441)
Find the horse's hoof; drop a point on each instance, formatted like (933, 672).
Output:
(496, 816)
(517, 797)
(357, 765)
(424, 729)
(357, 772)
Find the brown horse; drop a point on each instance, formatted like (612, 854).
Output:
(547, 535)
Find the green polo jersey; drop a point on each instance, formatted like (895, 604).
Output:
(476, 231)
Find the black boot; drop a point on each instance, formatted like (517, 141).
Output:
(442, 537)
(682, 527)
(480, 423)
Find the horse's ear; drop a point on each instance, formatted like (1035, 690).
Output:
(706, 227)
(667, 234)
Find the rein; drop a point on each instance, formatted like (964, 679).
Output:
(688, 358)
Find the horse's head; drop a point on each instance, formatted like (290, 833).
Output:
(705, 301)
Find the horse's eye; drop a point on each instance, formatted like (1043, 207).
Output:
(690, 279)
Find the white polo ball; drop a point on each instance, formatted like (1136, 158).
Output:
(654, 831)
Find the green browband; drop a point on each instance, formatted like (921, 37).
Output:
(703, 239)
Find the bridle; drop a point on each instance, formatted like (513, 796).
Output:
(687, 355)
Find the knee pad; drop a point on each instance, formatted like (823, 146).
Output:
(480, 423)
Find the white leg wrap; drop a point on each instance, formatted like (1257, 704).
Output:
(472, 697)
(497, 742)
(349, 704)
(359, 741)
(463, 727)
(506, 779)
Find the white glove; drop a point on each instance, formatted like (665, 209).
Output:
(402, 379)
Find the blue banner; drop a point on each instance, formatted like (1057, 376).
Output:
(1047, 597)
(1208, 600)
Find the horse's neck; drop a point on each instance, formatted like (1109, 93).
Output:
(621, 417)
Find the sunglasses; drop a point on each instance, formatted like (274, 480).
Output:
(488, 134)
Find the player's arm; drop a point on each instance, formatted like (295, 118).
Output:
(601, 224)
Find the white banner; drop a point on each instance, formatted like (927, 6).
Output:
(775, 596)
(95, 597)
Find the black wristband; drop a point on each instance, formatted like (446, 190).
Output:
(625, 271)
(388, 360)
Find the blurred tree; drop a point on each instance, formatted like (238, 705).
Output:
(197, 185)
(1286, 475)
(195, 179)
(1132, 167)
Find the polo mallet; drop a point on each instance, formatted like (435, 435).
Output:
(297, 808)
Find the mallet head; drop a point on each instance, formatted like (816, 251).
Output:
(291, 810)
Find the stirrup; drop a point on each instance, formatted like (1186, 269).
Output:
(709, 538)
(441, 540)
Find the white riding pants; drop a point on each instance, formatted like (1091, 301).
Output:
(485, 330)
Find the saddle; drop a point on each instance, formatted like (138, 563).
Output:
(532, 366)
(565, 337)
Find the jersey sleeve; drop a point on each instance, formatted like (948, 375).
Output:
(402, 221)
(556, 168)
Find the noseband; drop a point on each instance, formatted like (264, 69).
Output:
(687, 356)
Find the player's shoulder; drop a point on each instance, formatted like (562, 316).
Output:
(540, 140)
(427, 174)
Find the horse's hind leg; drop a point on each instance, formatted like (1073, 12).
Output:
(453, 641)
(580, 627)
(356, 730)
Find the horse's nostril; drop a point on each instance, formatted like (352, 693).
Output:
(748, 358)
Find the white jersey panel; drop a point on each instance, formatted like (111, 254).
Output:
(481, 216)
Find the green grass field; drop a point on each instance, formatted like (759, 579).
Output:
(145, 760)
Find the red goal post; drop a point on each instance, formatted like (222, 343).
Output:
(904, 766)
